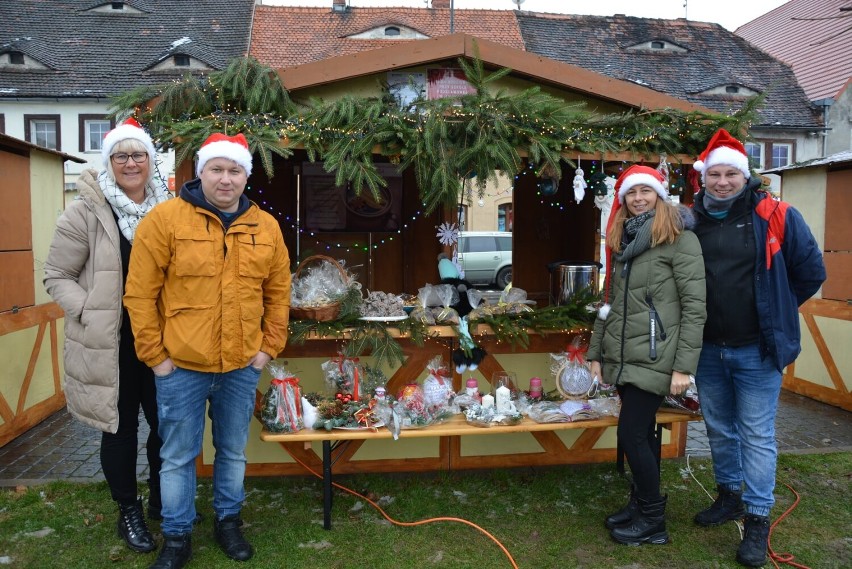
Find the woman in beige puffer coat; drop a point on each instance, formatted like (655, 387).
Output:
(105, 383)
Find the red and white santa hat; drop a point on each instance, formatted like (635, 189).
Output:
(723, 149)
(634, 176)
(219, 145)
(639, 175)
(129, 129)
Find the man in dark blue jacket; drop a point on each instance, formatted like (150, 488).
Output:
(762, 263)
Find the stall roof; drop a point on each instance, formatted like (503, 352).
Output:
(7, 142)
(839, 158)
(524, 64)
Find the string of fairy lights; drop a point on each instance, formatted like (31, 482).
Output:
(288, 223)
(551, 200)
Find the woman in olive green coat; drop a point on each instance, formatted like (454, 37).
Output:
(647, 337)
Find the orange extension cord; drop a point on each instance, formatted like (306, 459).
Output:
(785, 558)
(775, 558)
(419, 523)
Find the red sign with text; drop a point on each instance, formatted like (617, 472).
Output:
(448, 83)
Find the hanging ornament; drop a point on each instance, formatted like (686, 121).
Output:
(663, 168)
(580, 185)
(448, 233)
(604, 202)
(548, 186)
(548, 181)
(597, 184)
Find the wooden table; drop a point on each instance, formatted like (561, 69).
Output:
(335, 442)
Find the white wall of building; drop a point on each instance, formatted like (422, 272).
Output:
(69, 130)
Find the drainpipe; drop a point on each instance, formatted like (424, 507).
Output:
(826, 105)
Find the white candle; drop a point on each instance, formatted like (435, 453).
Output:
(503, 399)
(487, 401)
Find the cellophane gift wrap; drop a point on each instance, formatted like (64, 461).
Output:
(281, 408)
(572, 374)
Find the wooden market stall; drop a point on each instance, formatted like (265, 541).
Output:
(30, 332)
(822, 191)
(391, 245)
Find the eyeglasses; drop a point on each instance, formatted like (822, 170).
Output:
(138, 157)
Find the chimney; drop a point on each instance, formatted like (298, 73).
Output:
(339, 6)
(441, 4)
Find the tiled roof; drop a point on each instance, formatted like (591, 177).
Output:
(93, 54)
(288, 36)
(812, 36)
(714, 57)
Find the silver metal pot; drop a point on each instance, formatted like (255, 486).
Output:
(567, 278)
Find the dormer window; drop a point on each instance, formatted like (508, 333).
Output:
(731, 90)
(181, 60)
(117, 5)
(657, 46)
(16, 58)
(390, 31)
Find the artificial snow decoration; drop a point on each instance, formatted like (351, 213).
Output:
(448, 233)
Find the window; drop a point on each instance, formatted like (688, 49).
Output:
(732, 89)
(391, 31)
(781, 154)
(181, 60)
(755, 154)
(479, 245)
(504, 244)
(770, 153)
(505, 217)
(2, 123)
(16, 58)
(92, 130)
(43, 130)
(658, 45)
(117, 5)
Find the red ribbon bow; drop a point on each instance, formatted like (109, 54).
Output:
(577, 353)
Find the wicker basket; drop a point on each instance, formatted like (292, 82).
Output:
(322, 313)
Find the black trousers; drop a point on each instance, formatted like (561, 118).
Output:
(136, 388)
(637, 436)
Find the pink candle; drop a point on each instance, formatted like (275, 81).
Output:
(535, 388)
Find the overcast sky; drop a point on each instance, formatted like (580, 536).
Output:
(729, 13)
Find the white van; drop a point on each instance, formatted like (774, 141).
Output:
(486, 257)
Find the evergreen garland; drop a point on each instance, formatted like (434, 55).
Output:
(445, 141)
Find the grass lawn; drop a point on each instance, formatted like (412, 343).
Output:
(546, 518)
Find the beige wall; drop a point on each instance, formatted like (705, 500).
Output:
(804, 189)
(47, 202)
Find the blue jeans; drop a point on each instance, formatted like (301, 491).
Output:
(739, 399)
(181, 400)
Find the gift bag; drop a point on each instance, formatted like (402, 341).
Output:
(437, 387)
(281, 408)
(343, 375)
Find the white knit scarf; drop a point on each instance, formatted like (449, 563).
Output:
(129, 212)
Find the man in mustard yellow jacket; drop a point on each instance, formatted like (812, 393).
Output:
(208, 293)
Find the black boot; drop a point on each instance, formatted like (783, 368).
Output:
(176, 552)
(728, 506)
(626, 514)
(230, 538)
(752, 550)
(649, 526)
(155, 502)
(132, 528)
